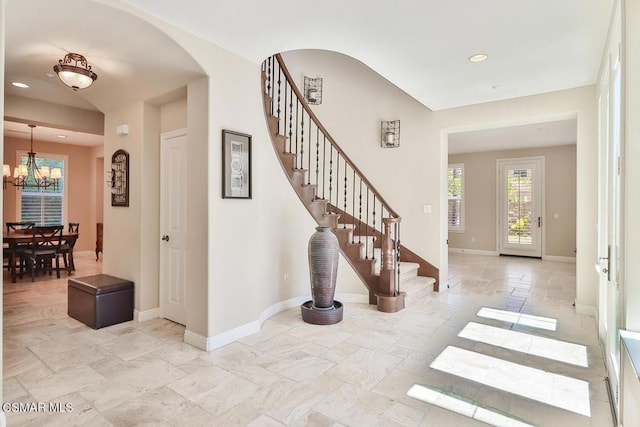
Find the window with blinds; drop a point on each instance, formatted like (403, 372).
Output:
(455, 178)
(43, 206)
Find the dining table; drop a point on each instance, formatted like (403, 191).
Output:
(16, 237)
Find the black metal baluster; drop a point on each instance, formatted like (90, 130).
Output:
(353, 206)
(309, 154)
(290, 118)
(366, 230)
(381, 222)
(397, 266)
(269, 63)
(317, 160)
(337, 180)
(295, 162)
(360, 214)
(324, 163)
(330, 173)
(282, 124)
(344, 221)
(302, 141)
(279, 83)
(373, 228)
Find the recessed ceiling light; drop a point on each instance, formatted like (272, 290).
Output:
(61, 136)
(479, 57)
(20, 85)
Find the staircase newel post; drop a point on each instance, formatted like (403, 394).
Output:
(389, 299)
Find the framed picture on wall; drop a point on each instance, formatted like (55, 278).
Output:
(236, 165)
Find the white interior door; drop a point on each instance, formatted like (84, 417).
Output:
(173, 187)
(520, 196)
(610, 215)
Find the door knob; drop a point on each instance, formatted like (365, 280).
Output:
(165, 238)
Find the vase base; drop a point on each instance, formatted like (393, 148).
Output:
(391, 304)
(324, 316)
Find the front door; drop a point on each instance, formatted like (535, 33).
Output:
(173, 188)
(520, 195)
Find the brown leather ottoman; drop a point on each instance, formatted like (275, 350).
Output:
(101, 300)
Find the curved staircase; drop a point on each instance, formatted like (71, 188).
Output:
(338, 195)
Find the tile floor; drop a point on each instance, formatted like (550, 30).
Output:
(356, 373)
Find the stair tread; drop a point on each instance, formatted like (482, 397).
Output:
(417, 288)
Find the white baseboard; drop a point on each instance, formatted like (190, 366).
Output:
(587, 310)
(235, 334)
(571, 259)
(473, 251)
(143, 316)
(197, 340)
(281, 306)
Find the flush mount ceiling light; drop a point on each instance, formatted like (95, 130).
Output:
(479, 57)
(74, 71)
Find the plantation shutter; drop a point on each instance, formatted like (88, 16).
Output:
(43, 206)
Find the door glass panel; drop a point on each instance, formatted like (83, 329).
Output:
(519, 206)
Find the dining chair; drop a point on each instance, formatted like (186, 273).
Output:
(45, 247)
(12, 227)
(66, 248)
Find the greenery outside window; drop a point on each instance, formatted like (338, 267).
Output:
(43, 206)
(455, 179)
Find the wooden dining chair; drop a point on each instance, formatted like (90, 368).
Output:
(45, 248)
(12, 227)
(66, 249)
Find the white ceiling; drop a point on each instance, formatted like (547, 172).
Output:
(562, 132)
(422, 46)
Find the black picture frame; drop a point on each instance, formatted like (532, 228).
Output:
(120, 178)
(236, 165)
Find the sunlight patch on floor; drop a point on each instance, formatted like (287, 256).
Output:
(526, 343)
(553, 389)
(539, 322)
(462, 406)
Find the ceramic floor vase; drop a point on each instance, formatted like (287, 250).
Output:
(323, 267)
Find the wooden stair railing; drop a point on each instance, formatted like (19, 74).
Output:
(332, 187)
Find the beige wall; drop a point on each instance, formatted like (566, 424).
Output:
(481, 199)
(79, 176)
(43, 113)
(173, 116)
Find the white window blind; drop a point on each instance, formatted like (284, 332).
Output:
(455, 178)
(43, 206)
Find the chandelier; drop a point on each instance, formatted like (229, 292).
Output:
(31, 176)
(74, 71)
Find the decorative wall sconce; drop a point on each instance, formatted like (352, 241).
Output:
(118, 178)
(390, 134)
(313, 90)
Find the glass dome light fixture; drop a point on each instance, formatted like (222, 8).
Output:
(74, 71)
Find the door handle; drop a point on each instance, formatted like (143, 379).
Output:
(165, 238)
(539, 221)
(607, 270)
